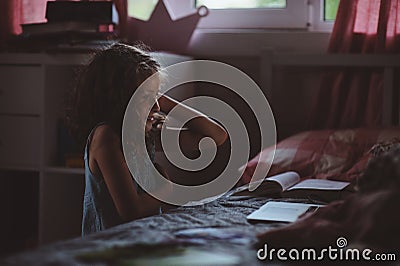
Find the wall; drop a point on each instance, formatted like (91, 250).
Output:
(252, 42)
(293, 87)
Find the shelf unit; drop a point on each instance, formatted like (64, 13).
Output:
(32, 97)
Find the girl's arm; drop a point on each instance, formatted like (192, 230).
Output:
(201, 126)
(106, 159)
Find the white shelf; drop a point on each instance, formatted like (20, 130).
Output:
(64, 170)
(19, 168)
(44, 59)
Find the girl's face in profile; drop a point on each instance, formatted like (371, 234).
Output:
(150, 102)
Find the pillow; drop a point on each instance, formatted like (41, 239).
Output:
(323, 154)
(386, 143)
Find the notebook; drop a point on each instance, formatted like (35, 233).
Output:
(279, 211)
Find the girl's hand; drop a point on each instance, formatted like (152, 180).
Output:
(200, 126)
(167, 189)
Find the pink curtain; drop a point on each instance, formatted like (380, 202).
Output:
(16, 12)
(353, 98)
(10, 19)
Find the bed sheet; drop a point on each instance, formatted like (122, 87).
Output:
(224, 220)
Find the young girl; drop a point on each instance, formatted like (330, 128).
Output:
(95, 116)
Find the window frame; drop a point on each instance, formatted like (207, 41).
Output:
(306, 15)
(316, 17)
(294, 16)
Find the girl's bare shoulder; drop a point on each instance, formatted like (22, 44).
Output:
(104, 136)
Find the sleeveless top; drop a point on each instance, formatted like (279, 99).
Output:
(99, 211)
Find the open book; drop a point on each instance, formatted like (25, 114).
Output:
(288, 184)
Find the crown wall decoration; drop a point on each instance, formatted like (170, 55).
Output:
(161, 32)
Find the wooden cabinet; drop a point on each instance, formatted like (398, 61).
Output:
(32, 96)
(17, 81)
(20, 141)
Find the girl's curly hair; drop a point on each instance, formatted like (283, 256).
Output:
(383, 171)
(105, 87)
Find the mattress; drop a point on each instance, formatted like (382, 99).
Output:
(217, 230)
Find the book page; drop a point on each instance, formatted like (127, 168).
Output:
(267, 187)
(320, 184)
(286, 180)
(270, 185)
(281, 211)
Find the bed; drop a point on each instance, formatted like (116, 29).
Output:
(226, 233)
(218, 230)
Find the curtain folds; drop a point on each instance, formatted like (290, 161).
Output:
(16, 12)
(353, 97)
(10, 19)
(122, 9)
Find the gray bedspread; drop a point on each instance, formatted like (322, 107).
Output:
(226, 216)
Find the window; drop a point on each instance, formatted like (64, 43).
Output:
(226, 4)
(330, 9)
(242, 14)
(322, 14)
(248, 14)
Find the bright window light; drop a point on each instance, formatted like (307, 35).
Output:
(330, 9)
(314, 15)
(141, 9)
(227, 4)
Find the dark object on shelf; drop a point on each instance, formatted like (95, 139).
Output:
(66, 16)
(65, 42)
(69, 153)
(72, 26)
(66, 26)
(83, 11)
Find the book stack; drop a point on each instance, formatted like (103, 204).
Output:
(73, 22)
(66, 27)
